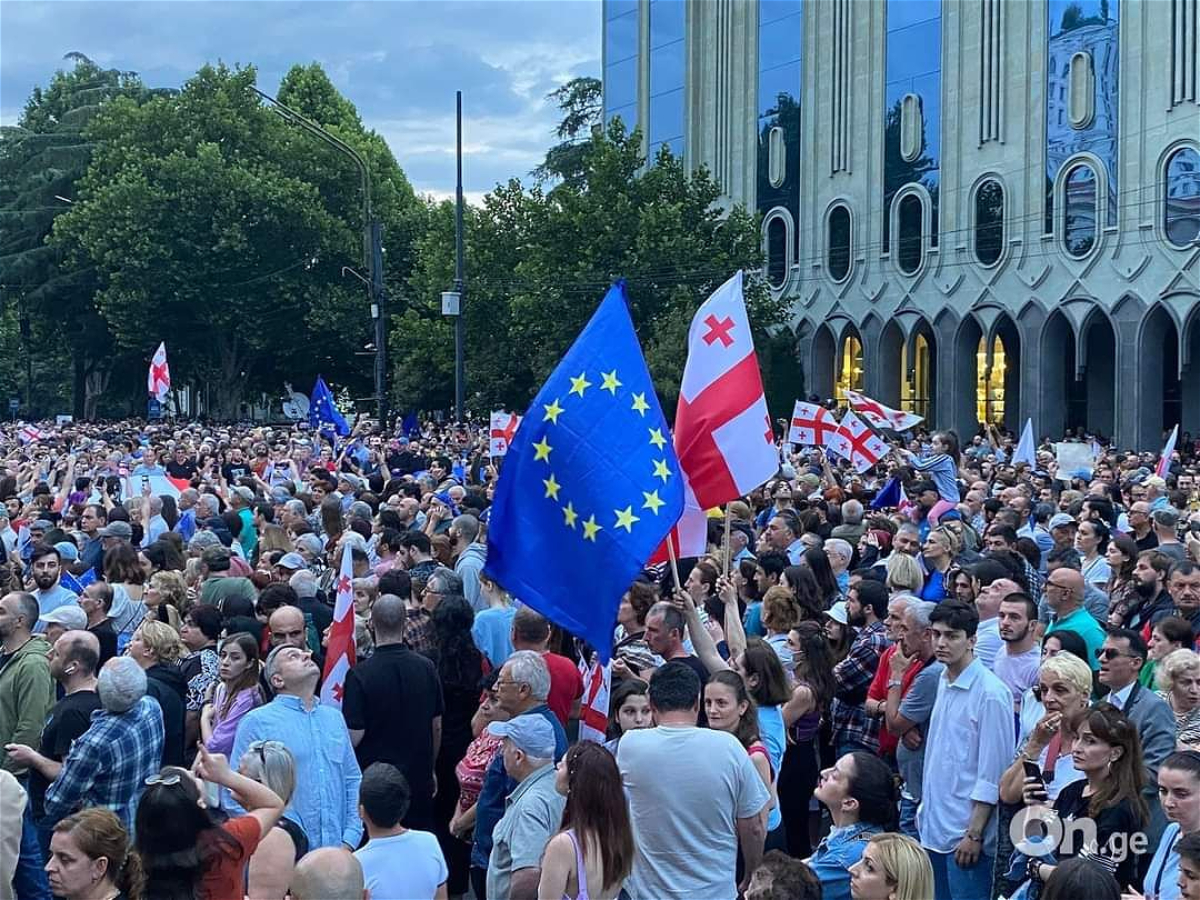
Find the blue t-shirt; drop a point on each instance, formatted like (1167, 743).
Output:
(492, 632)
(774, 737)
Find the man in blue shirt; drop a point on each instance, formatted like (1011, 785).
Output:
(325, 803)
(521, 689)
(46, 565)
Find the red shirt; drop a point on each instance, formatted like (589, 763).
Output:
(878, 691)
(566, 685)
(225, 873)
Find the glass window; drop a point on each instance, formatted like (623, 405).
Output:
(850, 372)
(615, 8)
(779, 42)
(777, 252)
(667, 68)
(782, 80)
(627, 114)
(666, 116)
(666, 22)
(1182, 223)
(621, 38)
(620, 83)
(903, 13)
(911, 240)
(1079, 210)
(989, 222)
(839, 242)
(774, 10)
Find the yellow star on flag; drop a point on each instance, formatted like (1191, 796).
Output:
(569, 515)
(653, 501)
(656, 438)
(639, 404)
(552, 486)
(590, 527)
(662, 470)
(552, 411)
(625, 519)
(610, 382)
(580, 384)
(541, 450)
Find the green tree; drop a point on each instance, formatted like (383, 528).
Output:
(581, 101)
(41, 159)
(538, 264)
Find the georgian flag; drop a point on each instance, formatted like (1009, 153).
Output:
(863, 447)
(593, 707)
(341, 657)
(1164, 461)
(158, 381)
(503, 427)
(882, 416)
(812, 425)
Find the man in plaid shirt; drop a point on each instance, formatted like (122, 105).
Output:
(109, 763)
(853, 729)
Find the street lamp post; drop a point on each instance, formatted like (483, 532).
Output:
(460, 328)
(372, 245)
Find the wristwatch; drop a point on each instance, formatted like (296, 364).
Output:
(893, 684)
(973, 838)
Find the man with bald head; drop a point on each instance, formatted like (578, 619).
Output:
(988, 642)
(289, 628)
(1064, 596)
(328, 872)
(74, 663)
(393, 709)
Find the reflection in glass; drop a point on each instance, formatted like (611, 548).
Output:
(1091, 27)
(839, 242)
(780, 39)
(913, 66)
(666, 22)
(776, 252)
(621, 38)
(916, 387)
(850, 372)
(621, 63)
(1079, 212)
(910, 241)
(989, 383)
(1182, 220)
(989, 222)
(666, 117)
(620, 83)
(615, 8)
(668, 70)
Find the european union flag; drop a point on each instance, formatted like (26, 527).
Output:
(323, 415)
(590, 485)
(71, 583)
(411, 425)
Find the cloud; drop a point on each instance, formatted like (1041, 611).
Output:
(398, 62)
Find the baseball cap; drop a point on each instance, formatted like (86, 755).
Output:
(69, 616)
(293, 561)
(838, 613)
(1060, 520)
(67, 550)
(41, 525)
(311, 543)
(1167, 517)
(121, 530)
(530, 733)
(1154, 481)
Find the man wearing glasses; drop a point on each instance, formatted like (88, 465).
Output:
(418, 624)
(1064, 596)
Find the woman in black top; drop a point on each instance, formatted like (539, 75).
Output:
(1108, 752)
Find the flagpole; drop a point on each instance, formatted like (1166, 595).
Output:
(674, 562)
(728, 524)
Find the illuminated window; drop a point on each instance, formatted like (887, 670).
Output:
(915, 388)
(989, 386)
(850, 372)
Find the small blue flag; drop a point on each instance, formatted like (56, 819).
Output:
(591, 484)
(76, 585)
(411, 425)
(323, 415)
(889, 495)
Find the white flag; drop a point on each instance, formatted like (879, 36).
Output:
(158, 381)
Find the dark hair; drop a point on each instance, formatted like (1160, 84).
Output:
(817, 662)
(1189, 848)
(1137, 646)
(248, 679)
(397, 582)
(773, 562)
(1007, 532)
(597, 810)
(1080, 876)
(790, 878)
(671, 616)
(1103, 506)
(530, 626)
(674, 687)
(176, 839)
(1183, 761)
(459, 662)
(42, 550)
(988, 570)
(1129, 549)
(874, 595)
(1127, 775)
(874, 788)
(803, 586)
(642, 596)
(747, 728)
(1071, 642)
(207, 619)
(827, 586)
(1183, 567)
(416, 540)
(626, 688)
(163, 557)
(384, 794)
(1065, 557)
(1175, 630)
(1031, 608)
(760, 660)
(1102, 532)
(956, 615)
(121, 565)
(81, 652)
(275, 595)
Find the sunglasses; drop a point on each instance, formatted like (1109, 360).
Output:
(165, 780)
(1110, 654)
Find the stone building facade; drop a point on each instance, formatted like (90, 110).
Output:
(980, 209)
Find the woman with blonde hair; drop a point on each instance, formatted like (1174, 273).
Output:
(893, 867)
(904, 575)
(166, 596)
(273, 538)
(1178, 678)
(156, 647)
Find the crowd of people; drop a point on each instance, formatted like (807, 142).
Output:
(987, 688)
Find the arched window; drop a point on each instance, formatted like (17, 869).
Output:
(989, 222)
(911, 243)
(1079, 210)
(839, 242)
(1182, 210)
(777, 263)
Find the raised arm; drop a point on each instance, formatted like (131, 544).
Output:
(702, 641)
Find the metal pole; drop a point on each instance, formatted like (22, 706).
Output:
(377, 299)
(460, 376)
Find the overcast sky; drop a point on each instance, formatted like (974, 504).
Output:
(398, 61)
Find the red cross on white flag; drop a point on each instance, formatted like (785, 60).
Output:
(341, 656)
(158, 381)
(863, 448)
(882, 416)
(503, 427)
(812, 425)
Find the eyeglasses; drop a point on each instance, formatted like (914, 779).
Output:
(500, 684)
(165, 780)
(1111, 653)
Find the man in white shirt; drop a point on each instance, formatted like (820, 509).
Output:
(1018, 660)
(689, 814)
(969, 745)
(988, 642)
(397, 862)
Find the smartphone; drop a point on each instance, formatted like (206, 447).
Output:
(1033, 770)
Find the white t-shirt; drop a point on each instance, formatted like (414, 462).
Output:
(407, 866)
(687, 788)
